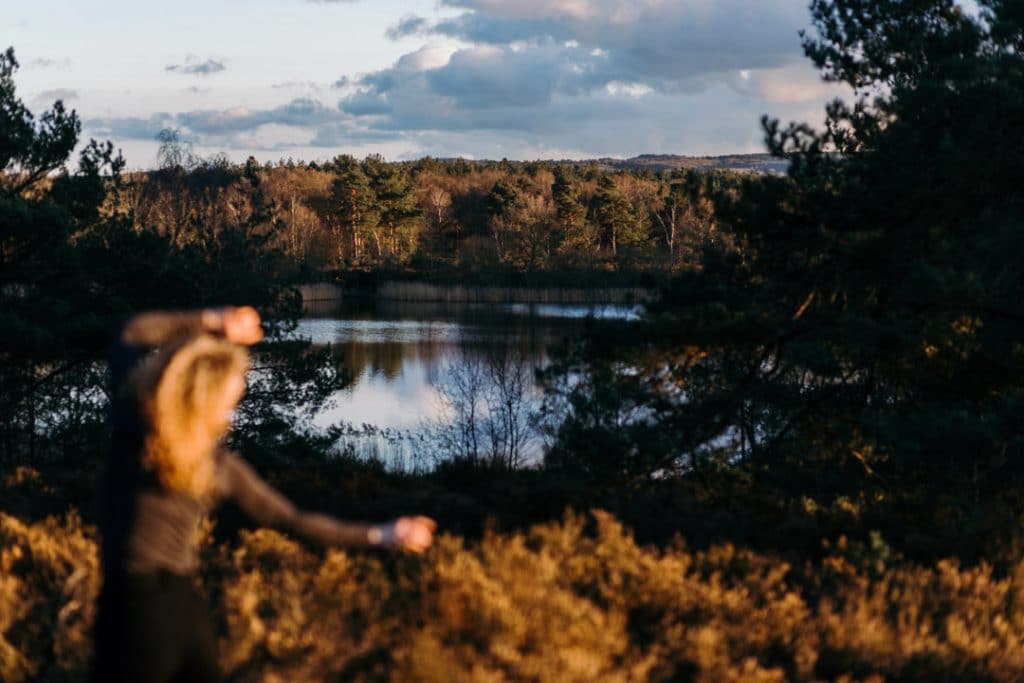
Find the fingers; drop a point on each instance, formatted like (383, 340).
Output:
(242, 325)
(414, 534)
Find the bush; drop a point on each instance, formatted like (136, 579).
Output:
(49, 582)
(576, 600)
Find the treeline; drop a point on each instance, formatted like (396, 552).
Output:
(430, 215)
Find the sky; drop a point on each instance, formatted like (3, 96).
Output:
(517, 79)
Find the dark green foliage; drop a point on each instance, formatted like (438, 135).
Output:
(399, 215)
(78, 254)
(620, 225)
(502, 199)
(29, 149)
(864, 342)
(357, 212)
(50, 309)
(571, 211)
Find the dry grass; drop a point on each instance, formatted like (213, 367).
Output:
(570, 601)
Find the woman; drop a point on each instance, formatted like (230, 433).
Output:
(170, 410)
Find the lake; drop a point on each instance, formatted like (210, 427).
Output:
(430, 381)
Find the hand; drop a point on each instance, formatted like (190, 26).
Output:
(238, 324)
(414, 534)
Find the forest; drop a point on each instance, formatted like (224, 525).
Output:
(433, 218)
(804, 463)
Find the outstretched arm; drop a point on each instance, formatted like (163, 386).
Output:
(268, 507)
(153, 328)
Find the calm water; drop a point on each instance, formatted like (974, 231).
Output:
(434, 380)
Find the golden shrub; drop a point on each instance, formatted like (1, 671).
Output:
(49, 581)
(577, 600)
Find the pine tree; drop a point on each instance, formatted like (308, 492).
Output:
(863, 341)
(50, 311)
(501, 203)
(400, 217)
(571, 212)
(357, 213)
(617, 218)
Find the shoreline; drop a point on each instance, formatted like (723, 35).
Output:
(392, 290)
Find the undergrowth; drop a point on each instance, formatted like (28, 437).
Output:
(573, 600)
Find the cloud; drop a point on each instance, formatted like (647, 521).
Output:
(47, 97)
(556, 73)
(481, 82)
(222, 126)
(347, 133)
(535, 78)
(132, 127)
(204, 68)
(408, 25)
(307, 85)
(527, 58)
(299, 112)
(430, 56)
(47, 63)
(798, 83)
(664, 44)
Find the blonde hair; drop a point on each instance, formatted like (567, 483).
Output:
(181, 395)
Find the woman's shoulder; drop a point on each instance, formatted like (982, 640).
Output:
(233, 473)
(227, 464)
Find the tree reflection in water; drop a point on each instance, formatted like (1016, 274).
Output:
(434, 382)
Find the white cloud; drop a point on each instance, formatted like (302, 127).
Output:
(525, 78)
(194, 67)
(630, 89)
(799, 83)
(660, 40)
(430, 56)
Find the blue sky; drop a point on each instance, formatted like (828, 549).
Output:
(522, 79)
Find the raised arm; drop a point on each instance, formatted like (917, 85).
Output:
(266, 506)
(153, 328)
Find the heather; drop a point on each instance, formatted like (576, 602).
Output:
(571, 600)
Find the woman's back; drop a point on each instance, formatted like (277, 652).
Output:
(166, 472)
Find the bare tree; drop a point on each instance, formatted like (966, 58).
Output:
(490, 408)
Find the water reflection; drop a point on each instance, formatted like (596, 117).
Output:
(436, 380)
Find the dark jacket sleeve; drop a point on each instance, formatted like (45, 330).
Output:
(145, 331)
(266, 506)
(154, 328)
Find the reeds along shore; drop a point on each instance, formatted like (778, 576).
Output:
(422, 291)
(576, 601)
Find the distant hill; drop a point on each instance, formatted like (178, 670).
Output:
(758, 163)
(748, 163)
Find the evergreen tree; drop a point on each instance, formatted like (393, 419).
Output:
(400, 217)
(50, 311)
(863, 343)
(355, 203)
(502, 197)
(617, 218)
(73, 262)
(501, 203)
(570, 210)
